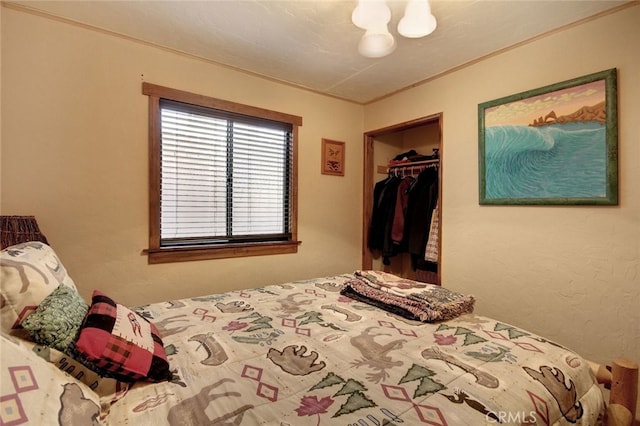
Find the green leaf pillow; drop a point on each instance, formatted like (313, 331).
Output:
(57, 319)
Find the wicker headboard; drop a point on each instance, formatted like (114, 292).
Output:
(19, 229)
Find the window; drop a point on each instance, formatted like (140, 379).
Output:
(222, 178)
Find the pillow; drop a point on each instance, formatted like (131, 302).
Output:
(36, 392)
(121, 342)
(57, 319)
(29, 272)
(108, 390)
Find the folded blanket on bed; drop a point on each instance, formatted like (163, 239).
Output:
(410, 299)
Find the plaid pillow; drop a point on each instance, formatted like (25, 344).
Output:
(123, 343)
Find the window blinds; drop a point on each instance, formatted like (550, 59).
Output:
(225, 177)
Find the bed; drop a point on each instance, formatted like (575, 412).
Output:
(299, 353)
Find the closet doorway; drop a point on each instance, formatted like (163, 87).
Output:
(424, 136)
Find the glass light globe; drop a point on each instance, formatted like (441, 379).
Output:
(376, 43)
(370, 14)
(417, 20)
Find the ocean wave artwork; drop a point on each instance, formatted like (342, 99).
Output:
(554, 161)
(552, 145)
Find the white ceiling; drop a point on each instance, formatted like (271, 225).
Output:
(313, 44)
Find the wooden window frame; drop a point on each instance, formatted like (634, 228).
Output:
(159, 254)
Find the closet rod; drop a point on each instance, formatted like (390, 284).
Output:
(413, 164)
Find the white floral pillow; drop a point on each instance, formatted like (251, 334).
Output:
(29, 272)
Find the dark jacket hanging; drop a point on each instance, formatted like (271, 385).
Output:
(384, 203)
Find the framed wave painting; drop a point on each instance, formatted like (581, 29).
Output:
(553, 145)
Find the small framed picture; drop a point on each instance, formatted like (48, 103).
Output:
(332, 157)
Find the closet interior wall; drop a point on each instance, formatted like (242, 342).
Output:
(423, 136)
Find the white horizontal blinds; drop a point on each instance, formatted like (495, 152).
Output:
(260, 168)
(224, 177)
(193, 174)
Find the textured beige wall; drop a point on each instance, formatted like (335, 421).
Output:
(75, 155)
(569, 273)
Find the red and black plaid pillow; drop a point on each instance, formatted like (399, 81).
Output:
(122, 343)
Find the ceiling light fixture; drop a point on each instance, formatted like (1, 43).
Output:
(373, 16)
(417, 20)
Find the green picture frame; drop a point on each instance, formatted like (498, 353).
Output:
(555, 145)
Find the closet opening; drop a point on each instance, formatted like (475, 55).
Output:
(404, 157)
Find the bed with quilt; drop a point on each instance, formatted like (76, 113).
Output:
(363, 348)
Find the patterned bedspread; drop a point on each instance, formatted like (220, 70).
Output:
(302, 354)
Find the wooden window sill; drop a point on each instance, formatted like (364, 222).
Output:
(190, 253)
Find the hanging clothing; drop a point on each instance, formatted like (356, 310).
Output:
(432, 250)
(384, 205)
(402, 204)
(422, 200)
(376, 227)
(402, 214)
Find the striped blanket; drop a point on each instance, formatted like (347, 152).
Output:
(410, 299)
